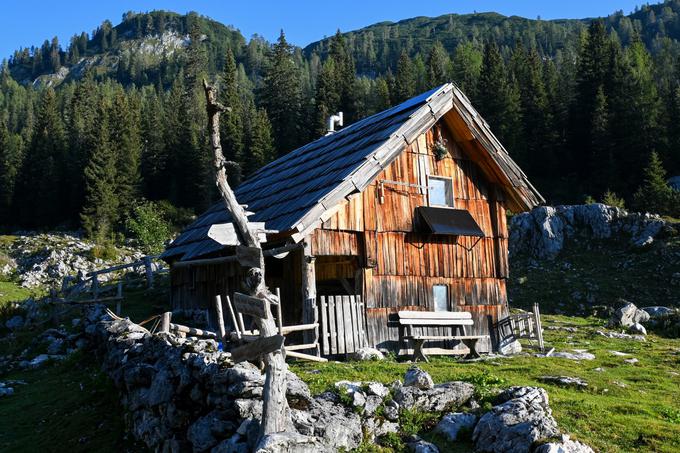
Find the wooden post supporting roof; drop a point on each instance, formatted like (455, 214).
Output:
(308, 287)
(275, 410)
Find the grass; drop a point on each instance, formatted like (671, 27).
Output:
(626, 408)
(598, 273)
(65, 406)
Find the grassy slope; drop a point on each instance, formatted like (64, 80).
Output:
(642, 416)
(69, 406)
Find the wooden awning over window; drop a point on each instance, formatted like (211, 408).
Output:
(450, 222)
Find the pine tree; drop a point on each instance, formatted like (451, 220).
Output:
(592, 75)
(154, 160)
(345, 77)
(100, 211)
(498, 100)
(635, 109)
(10, 163)
(260, 141)
(466, 67)
(40, 197)
(654, 195)
(602, 164)
(405, 80)
(126, 142)
(231, 129)
(438, 66)
(327, 97)
(281, 96)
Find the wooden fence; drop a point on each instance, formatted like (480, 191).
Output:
(343, 324)
(522, 325)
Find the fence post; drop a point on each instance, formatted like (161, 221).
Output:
(165, 321)
(149, 272)
(539, 327)
(279, 317)
(95, 286)
(220, 319)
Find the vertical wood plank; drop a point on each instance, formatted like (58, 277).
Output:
(340, 323)
(349, 324)
(332, 325)
(324, 325)
(355, 323)
(353, 319)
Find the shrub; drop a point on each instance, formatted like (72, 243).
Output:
(611, 199)
(589, 200)
(105, 249)
(149, 227)
(655, 195)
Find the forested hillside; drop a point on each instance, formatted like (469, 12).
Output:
(89, 130)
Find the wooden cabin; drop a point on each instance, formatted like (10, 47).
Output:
(405, 209)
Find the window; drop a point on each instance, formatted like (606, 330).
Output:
(440, 191)
(440, 294)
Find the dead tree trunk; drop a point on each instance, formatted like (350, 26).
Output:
(275, 411)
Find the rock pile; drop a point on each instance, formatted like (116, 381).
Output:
(45, 259)
(542, 232)
(185, 395)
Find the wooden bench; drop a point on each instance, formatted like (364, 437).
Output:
(410, 320)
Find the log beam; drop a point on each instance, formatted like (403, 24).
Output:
(275, 410)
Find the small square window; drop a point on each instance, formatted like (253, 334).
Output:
(440, 191)
(440, 293)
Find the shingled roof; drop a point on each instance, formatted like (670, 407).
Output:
(298, 191)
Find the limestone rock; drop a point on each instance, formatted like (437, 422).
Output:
(574, 355)
(441, 397)
(368, 354)
(15, 322)
(418, 445)
(290, 442)
(416, 377)
(658, 312)
(564, 381)
(564, 446)
(521, 419)
(451, 425)
(628, 315)
(637, 329)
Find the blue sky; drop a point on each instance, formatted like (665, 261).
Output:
(304, 21)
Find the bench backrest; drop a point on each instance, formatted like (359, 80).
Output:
(435, 318)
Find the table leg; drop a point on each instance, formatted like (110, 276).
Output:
(418, 353)
(471, 343)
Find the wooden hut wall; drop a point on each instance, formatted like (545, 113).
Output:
(195, 287)
(399, 264)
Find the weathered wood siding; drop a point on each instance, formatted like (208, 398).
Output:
(399, 265)
(196, 287)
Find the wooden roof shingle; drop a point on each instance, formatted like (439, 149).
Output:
(293, 193)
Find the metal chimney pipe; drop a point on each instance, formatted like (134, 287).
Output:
(335, 120)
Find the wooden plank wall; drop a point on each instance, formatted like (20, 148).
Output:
(399, 265)
(196, 287)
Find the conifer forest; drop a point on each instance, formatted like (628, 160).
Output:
(90, 129)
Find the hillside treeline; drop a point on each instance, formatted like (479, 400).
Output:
(583, 116)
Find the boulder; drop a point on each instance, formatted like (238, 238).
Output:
(658, 312)
(205, 432)
(628, 315)
(418, 445)
(637, 329)
(564, 446)
(564, 381)
(15, 322)
(416, 377)
(509, 346)
(441, 397)
(452, 425)
(368, 354)
(290, 442)
(337, 426)
(522, 418)
(576, 355)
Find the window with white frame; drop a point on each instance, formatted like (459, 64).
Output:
(440, 294)
(440, 191)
